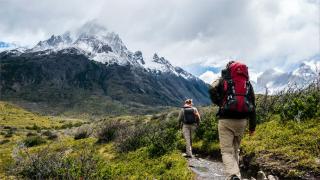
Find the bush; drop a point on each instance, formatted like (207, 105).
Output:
(299, 105)
(50, 135)
(81, 134)
(57, 164)
(34, 127)
(4, 141)
(31, 134)
(132, 138)
(208, 128)
(31, 141)
(108, 131)
(9, 133)
(301, 108)
(162, 141)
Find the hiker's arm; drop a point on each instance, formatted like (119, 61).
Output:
(198, 116)
(214, 91)
(252, 122)
(253, 116)
(180, 118)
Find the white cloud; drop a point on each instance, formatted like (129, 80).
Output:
(263, 34)
(209, 76)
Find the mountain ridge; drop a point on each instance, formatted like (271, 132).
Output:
(66, 71)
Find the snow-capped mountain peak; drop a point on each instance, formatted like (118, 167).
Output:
(276, 80)
(54, 42)
(99, 44)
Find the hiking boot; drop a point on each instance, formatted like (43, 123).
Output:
(234, 177)
(189, 156)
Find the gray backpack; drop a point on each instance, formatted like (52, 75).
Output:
(189, 115)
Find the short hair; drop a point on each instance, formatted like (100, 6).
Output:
(188, 101)
(229, 63)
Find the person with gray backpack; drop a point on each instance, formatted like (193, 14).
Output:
(189, 117)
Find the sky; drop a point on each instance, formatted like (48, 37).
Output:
(193, 34)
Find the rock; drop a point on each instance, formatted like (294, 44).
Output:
(271, 177)
(261, 176)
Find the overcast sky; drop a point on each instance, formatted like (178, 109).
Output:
(262, 33)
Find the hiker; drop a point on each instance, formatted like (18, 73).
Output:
(189, 117)
(234, 95)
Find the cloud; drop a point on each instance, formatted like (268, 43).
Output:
(263, 34)
(209, 76)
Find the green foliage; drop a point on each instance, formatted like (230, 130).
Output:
(295, 145)
(4, 141)
(9, 133)
(50, 135)
(208, 128)
(49, 163)
(300, 106)
(34, 127)
(132, 138)
(206, 140)
(139, 165)
(163, 141)
(31, 141)
(160, 135)
(82, 134)
(108, 131)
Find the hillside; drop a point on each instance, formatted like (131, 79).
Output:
(48, 147)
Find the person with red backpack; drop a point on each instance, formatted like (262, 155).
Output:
(189, 117)
(234, 95)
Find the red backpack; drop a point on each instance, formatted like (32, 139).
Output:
(237, 90)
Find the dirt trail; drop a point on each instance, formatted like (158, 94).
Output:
(206, 169)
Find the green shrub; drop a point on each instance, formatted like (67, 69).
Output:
(10, 132)
(34, 127)
(208, 128)
(31, 134)
(81, 134)
(4, 141)
(132, 138)
(31, 141)
(108, 131)
(57, 164)
(50, 135)
(162, 141)
(300, 106)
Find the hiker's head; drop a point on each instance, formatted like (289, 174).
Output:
(229, 63)
(188, 101)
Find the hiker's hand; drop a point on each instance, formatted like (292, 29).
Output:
(251, 133)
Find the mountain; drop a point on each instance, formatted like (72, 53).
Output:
(276, 80)
(92, 66)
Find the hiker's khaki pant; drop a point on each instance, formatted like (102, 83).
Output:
(187, 130)
(230, 134)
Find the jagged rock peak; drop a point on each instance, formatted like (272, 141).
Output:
(160, 60)
(137, 56)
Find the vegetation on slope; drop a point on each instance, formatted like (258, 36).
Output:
(30, 153)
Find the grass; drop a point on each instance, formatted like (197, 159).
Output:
(14, 116)
(293, 146)
(139, 165)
